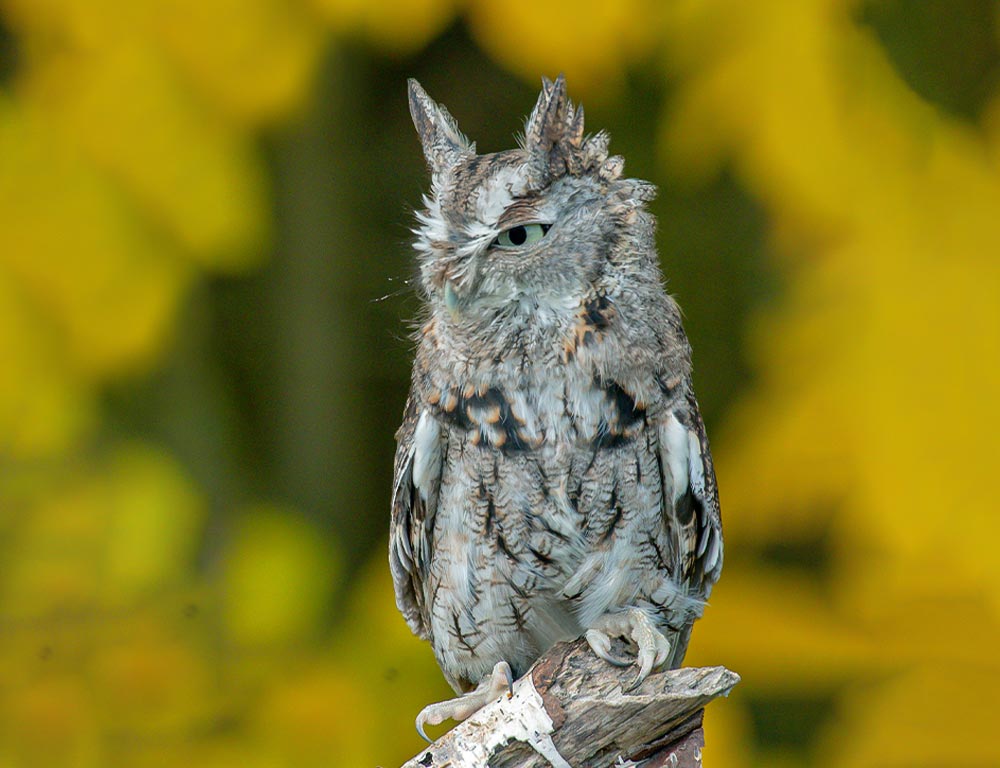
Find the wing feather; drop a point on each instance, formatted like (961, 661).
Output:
(691, 507)
(705, 492)
(419, 454)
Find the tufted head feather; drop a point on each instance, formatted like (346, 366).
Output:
(442, 141)
(553, 135)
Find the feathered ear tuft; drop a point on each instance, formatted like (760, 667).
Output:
(547, 118)
(442, 141)
(545, 129)
(553, 135)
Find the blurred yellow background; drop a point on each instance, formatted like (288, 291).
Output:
(203, 315)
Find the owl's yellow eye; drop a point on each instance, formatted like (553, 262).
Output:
(521, 236)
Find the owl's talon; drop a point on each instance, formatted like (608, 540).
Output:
(645, 659)
(600, 644)
(420, 727)
(629, 688)
(653, 647)
(500, 681)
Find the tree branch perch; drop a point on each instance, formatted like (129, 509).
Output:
(570, 709)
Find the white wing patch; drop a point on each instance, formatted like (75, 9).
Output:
(713, 550)
(426, 455)
(696, 466)
(680, 456)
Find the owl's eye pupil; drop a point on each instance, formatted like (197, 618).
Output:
(518, 235)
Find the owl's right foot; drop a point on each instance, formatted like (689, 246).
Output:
(500, 681)
(653, 647)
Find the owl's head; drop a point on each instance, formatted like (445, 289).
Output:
(533, 228)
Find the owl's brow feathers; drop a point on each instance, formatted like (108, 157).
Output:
(520, 211)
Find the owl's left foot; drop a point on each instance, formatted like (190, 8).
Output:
(654, 648)
(500, 681)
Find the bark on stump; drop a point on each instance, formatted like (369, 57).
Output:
(571, 709)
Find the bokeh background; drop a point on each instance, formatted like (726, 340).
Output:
(204, 311)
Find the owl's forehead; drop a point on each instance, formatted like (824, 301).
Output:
(484, 186)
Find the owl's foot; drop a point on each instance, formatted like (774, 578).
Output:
(501, 680)
(653, 646)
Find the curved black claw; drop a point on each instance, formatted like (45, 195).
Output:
(420, 730)
(635, 684)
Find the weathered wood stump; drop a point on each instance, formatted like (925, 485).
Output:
(571, 709)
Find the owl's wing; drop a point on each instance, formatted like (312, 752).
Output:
(417, 477)
(705, 492)
(694, 514)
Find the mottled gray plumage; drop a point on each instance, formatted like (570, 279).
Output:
(552, 467)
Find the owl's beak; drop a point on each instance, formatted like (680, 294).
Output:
(451, 300)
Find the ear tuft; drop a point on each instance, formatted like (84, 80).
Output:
(575, 131)
(442, 141)
(546, 124)
(553, 135)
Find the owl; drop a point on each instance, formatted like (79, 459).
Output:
(552, 476)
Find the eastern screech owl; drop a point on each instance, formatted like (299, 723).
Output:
(552, 477)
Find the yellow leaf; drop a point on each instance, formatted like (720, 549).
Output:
(76, 24)
(44, 406)
(253, 58)
(278, 578)
(187, 170)
(943, 715)
(102, 536)
(590, 41)
(50, 722)
(55, 568)
(155, 517)
(321, 715)
(84, 267)
(397, 27)
(727, 733)
(778, 633)
(147, 681)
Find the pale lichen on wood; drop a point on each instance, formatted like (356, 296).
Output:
(573, 709)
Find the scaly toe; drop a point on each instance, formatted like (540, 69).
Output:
(654, 649)
(501, 678)
(600, 644)
(662, 651)
(500, 681)
(433, 714)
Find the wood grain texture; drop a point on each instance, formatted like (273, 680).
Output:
(576, 704)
